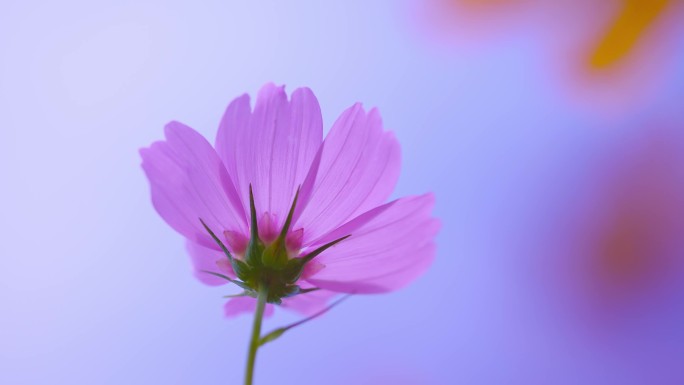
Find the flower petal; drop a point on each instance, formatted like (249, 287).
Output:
(239, 305)
(271, 148)
(359, 167)
(188, 181)
(208, 259)
(384, 253)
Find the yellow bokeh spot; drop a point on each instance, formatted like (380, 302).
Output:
(624, 33)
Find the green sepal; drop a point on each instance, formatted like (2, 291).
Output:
(275, 255)
(288, 220)
(254, 230)
(295, 266)
(227, 278)
(323, 248)
(269, 256)
(294, 290)
(255, 248)
(241, 269)
(218, 241)
(309, 290)
(291, 291)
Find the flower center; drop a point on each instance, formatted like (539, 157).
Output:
(269, 257)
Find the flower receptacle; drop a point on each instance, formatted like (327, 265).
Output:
(270, 265)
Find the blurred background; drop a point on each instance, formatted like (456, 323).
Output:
(552, 135)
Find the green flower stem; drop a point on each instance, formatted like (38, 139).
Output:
(256, 333)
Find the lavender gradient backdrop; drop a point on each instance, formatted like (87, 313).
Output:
(96, 289)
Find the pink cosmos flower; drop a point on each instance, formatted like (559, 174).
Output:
(309, 216)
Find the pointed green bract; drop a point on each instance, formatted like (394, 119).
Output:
(254, 230)
(275, 255)
(218, 241)
(241, 269)
(227, 278)
(323, 248)
(255, 247)
(295, 267)
(309, 290)
(272, 336)
(290, 214)
(293, 290)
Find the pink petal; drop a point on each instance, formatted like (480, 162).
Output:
(294, 239)
(240, 305)
(209, 259)
(359, 167)
(348, 228)
(188, 182)
(309, 303)
(384, 253)
(268, 228)
(236, 242)
(271, 148)
(311, 268)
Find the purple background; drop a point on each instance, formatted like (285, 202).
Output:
(96, 289)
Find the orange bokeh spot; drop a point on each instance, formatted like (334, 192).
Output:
(624, 253)
(480, 3)
(635, 245)
(479, 8)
